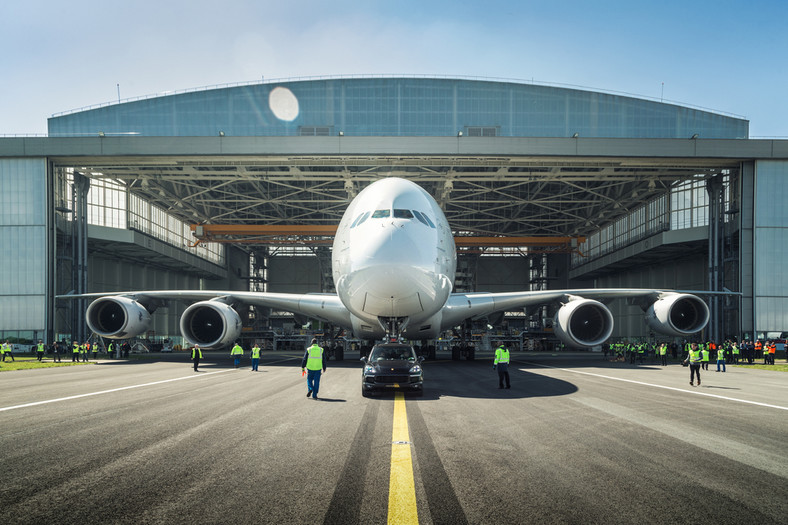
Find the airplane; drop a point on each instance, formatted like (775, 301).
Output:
(393, 263)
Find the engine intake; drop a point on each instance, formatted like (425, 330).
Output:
(678, 314)
(117, 317)
(210, 324)
(583, 322)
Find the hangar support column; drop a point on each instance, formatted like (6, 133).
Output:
(79, 246)
(715, 188)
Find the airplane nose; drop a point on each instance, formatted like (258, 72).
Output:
(394, 273)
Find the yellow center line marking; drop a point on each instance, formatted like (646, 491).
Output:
(402, 489)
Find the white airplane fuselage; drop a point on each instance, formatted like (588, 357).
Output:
(394, 258)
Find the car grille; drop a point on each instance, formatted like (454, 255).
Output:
(392, 379)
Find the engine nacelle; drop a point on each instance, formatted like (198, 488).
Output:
(678, 314)
(583, 322)
(117, 317)
(210, 324)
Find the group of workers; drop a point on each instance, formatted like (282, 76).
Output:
(79, 351)
(313, 364)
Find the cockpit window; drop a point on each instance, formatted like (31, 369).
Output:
(402, 214)
(381, 214)
(361, 218)
(423, 218)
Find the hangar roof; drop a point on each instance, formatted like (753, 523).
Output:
(402, 106)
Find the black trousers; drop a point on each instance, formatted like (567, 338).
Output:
(694, 371)
(503, 375)
(196, 362)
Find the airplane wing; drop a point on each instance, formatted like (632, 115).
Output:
(582, 318)
(210, 321)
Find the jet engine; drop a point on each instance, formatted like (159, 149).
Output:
(678, 314)
(583, 322)
(117, 317)
(210, 324)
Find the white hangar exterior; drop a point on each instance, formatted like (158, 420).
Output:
(650, 194)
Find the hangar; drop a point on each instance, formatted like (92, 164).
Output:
(632, 192)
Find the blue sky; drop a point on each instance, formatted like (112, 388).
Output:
(728, 56)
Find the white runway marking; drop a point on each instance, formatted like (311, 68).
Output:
(204, 374)
(661, 386)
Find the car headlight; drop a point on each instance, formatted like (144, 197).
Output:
(415, 370)
(369, 369)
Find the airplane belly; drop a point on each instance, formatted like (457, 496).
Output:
(392, 306)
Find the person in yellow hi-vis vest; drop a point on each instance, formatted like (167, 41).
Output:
(255, 357)
(8, 351)
(502, 364)
(196, 356)
(237, 353)
(694, 358)
(314, 362)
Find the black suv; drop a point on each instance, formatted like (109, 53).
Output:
(392, 366)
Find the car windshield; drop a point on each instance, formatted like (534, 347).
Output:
(392, 353)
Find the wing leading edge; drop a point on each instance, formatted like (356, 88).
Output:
(582, 318)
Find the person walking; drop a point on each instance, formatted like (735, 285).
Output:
(694, 358)
(314, 362)
(501, 363)
(237, 353)
(255, 357)
(196, 356)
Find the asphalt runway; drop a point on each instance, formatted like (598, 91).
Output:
(576, 440)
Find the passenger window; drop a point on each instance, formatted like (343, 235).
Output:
(402, 214)
(381, 214)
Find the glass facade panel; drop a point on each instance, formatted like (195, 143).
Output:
(401, 107)
(23, 244)
(771, 246)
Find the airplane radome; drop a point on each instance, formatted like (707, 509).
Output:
(393, 263)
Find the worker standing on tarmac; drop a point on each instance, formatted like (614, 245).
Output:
(315, 363)
(40, 348)
(694, 359)
(237, 353)
(501, 362)
(196, 356)
(75, 350)
(704, 352)
(663, 353)
(255, 357)
(720, 358)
